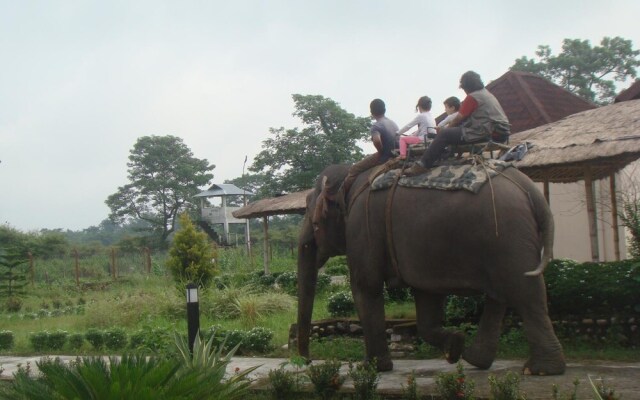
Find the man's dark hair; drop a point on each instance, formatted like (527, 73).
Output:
(377, 108)
(470, 82)
(454, 102)
(424, 102)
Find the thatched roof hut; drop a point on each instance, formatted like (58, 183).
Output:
(293, 203)
(603, 140)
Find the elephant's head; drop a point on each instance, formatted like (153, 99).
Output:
(322, 236)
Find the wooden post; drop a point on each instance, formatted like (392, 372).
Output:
(114, 272)
(265, 223)
(147, 259)
(591, 215)
(614, 214)
(32, 270)
(546, 191)
(75, 256)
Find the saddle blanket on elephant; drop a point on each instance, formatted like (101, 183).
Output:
(468, 176)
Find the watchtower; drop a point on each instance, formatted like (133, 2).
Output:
(213, 212)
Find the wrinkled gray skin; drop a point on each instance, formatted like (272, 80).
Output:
(445, 243)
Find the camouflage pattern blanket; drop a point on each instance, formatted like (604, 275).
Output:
(468, 176)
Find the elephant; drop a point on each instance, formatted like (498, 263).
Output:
(437, 243)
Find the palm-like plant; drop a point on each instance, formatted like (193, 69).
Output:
(197, 375)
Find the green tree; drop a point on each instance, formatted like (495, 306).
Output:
(191, 257)
(292, 158)
(13, 278)
(163, 177)
(587, 71)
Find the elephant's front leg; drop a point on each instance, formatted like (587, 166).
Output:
(482, 351)
(370, 306)
(430, 318)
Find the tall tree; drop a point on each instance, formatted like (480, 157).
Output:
(163, 177)
(587, 71)
(292, 158)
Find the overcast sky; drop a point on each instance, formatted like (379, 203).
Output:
(80, 81)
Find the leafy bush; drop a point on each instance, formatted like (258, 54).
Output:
(95, 337)
(325, 378)
(506, 387)
(258, 340)
(39, 340)
(454, 385)
(76, 340)
(459, 309)
(398, 295)
(115, 339)
(341, 304)
(150, 339)
(283, 384)
(57, 340)
(13, 304)
(6, 340)
(337, 266)
(45, 340)
(365, 380)
(592, 289)
(288, 282)
(324, 280)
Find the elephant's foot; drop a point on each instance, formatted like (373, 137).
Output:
(544, 367)
(383, 364)
(453, 347)
(479, 356)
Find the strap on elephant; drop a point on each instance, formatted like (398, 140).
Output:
(388, 222)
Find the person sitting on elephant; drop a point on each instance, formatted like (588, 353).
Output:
(451, 108)
(426, 124)
(383, 136)
(480, 118)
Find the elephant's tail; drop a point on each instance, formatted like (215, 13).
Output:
(544, 217)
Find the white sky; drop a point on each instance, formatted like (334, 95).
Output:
(80, 81)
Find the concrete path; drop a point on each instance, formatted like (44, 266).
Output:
(624, 378)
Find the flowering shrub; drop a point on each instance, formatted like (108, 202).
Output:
(454, 385)
(325, 378)
(341, 304)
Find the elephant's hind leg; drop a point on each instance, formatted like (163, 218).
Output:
(482, 351)
(430, 317)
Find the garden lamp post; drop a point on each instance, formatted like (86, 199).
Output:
(193, 313)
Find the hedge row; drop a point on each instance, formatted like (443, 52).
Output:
(256, 340)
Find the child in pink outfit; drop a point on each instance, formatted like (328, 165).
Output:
(426, 124)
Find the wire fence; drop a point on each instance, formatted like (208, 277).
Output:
(112, 263)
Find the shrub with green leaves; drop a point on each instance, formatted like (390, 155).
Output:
(506, 387)
(589, 289)
(337, 266)
(288, 282)
(6, 340)
(191, 257)
(455, 385)
(365, 378)
(76, 340)
(283, 384)
(150, 339)
(341, 304)
(57, 340)
(115, 339)
(39, 340)
(325, 378)
(95, 337)
(258, 340)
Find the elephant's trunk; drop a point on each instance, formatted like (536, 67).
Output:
(307, 278)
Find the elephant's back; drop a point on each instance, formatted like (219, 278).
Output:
(457, 238)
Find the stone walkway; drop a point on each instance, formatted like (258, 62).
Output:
(624, 378)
